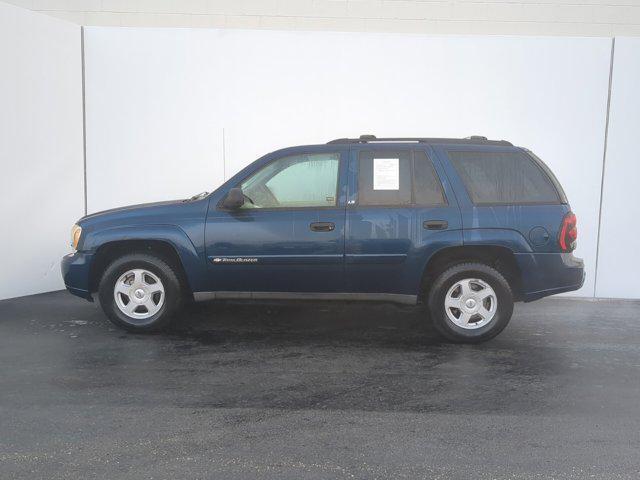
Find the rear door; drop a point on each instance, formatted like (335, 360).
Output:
(400, 210)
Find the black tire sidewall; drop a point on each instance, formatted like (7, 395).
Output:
(172, 292)
(447, 279)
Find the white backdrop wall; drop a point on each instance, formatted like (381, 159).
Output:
(41, 158)
(154, 115)
(269, 90)
(619, 259)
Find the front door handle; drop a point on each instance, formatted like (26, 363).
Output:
(436, 224)
(322, 226)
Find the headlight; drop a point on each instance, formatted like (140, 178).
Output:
(76, 231)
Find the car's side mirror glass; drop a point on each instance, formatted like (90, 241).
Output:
(234, 199)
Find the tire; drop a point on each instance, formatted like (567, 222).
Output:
(470, 286)
(147, 275)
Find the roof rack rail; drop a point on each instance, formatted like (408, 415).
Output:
(474, 139)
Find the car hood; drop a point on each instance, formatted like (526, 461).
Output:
(130, 209)
(166, 213)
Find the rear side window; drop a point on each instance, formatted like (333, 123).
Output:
(503, 178)
(384, 178)
(426, 184)
(397, 178)
(552, 177)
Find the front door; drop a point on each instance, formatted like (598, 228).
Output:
(289, 234)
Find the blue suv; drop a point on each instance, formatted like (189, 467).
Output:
(465, 226)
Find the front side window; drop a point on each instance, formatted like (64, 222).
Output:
(308, 180)
(503, 178)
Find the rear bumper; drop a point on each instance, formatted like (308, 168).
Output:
(75, 269)
(545, 274)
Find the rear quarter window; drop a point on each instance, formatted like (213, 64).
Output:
(503, 178)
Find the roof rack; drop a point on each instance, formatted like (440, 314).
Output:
(474, 139)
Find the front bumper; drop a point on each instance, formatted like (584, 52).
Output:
(545, 274)
(75, 273)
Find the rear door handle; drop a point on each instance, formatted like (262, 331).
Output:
(436, 224)
(322, 226)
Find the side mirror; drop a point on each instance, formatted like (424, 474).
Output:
(234, 199)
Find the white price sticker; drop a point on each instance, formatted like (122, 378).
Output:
(386, 174)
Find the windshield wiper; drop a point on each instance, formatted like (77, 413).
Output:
(197, 197)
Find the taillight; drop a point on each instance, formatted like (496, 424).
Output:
(568, 233)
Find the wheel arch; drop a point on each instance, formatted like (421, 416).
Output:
(170, 244)
(497, 256)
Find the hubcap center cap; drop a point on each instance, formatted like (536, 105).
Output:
(470, 303)
(139, 293)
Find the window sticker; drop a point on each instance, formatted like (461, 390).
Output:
(386, 174)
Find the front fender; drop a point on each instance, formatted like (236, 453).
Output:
(191, 257)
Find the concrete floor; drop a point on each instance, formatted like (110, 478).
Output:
(316, 391)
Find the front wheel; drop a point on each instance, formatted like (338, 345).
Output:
(470, 303)
(139, 292)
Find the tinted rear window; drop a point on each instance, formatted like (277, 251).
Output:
(503, 178)
(552, 177)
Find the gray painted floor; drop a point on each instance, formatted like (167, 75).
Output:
(316, 391)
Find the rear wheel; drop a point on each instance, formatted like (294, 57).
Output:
(140, 292)
(470, 303)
